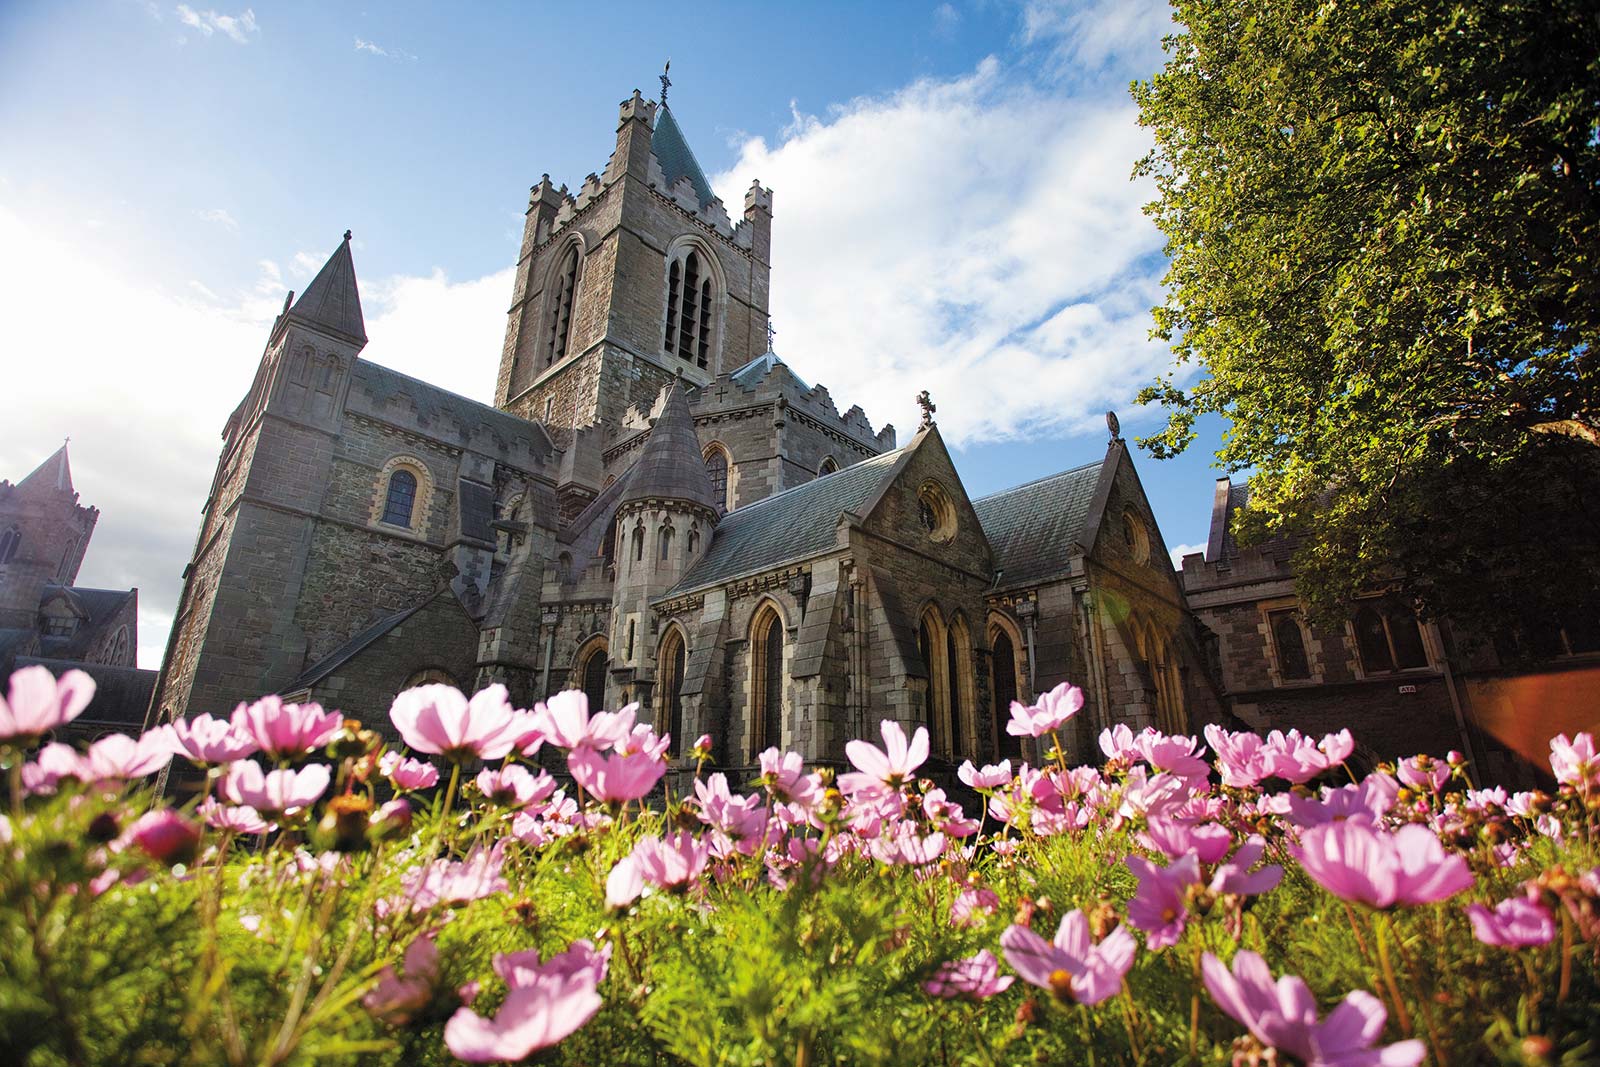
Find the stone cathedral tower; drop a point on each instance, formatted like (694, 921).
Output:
(638, 280)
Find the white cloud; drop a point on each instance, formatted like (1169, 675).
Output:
(945, 20)
(238, 27)
(1088, 36)
(154, 375)
(977, 237)
(218, 216)
(373, 48)
(305, 264)
(1177, 552)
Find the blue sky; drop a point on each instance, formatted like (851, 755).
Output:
(953, 212)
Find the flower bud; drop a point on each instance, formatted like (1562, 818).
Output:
(392, 821)
(165, 836)
(103, 828)
(345, 821)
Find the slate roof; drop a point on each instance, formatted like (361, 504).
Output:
(53, 473)
(757, 369)
(1031, 527)
(1238, 496)
(675, 157)
(332, 301)
(121, 694)
(670, 466)
(795, 524)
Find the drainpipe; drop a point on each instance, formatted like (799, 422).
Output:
(1467, 746)
(1097, 651)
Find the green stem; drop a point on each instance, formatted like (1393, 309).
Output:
(1388, 975)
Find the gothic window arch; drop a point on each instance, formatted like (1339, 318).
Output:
(66, 559)
(694, 292)
(638, 543)
(430, 676)
(119, 648)
(1289, 646)
(608, 548)
(694, 538)
(563, 296)
(766, 679)
(1388, 638)
(10, 541)
(590, 668)
(401, 495)
(1010, 681)
(665, 537)
(718, 469)
(671, 657)
(564, 567)
(826, 467)
(933, 645)
(963, 687)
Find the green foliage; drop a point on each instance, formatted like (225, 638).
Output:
(1384, 228)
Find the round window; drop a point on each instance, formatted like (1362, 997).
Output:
(935, 512)
(1134, 536)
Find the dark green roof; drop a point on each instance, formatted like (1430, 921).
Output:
(1032, 527)
(792, 525)
(677, 161)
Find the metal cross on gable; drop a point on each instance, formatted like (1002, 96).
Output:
(666, 82)
(925, 402)
(771, 333)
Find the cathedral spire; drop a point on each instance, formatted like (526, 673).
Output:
(332, 301)
(671, 466)
(53, 473)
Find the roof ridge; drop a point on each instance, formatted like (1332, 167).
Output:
(1039, 481)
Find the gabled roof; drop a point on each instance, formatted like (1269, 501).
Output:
(757, 369)
(121, 694)
(53, 473)
(332, 301)
(792, 525)
(96, 607)
(676, 159)
(1032, 527)
(671, 467)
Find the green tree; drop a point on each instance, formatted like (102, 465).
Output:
(1383, 221)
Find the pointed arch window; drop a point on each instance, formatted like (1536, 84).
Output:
(717, 471)
(691, 306)
(666, 542)
(401, 498)
(638, 544)
(766, 692)
(10, 541)
(608, 548)
(1008, 745)
(1293, 663)
(828, 467)
(593, 674)
(1389, 639)
(672, 659)
(561, 307)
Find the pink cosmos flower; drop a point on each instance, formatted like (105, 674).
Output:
(164, 836)
(1160, 907)
(1336, 748)
(281, 729)
(120, 757)
(234, 819)
(440, 720)
(515, 786)
(1240, 757)
(39, 702)
(1283, 1015)
(615, 778)
(903, 846)
(1359, 862)
(207, 742)
(1423, 773)
(1177, 837)
(1050, 713)
(407, 774)
(886, 768)
(275, 793)
(1293, 757)
(990, 777)
(740, 817)
(673, 863)
(1236, 878)
(643, 738)
(1071, 965)
(1174, 754)
(974, 978)
(564, 720)
(1514, 923)
(1573, 761)
(1368, 800)
(444, 881)
(946, 814)
(1118, 743)
(784, 775)
(544, 1005)
(55, 761)
(971, 905)
(581, 957)
(624, 885)
(397, 1000)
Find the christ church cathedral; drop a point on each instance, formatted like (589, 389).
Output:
(658, 509)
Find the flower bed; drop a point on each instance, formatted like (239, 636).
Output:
(323, 899)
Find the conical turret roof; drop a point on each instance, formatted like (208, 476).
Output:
(677, 160)
(53, 473)
(332, 301)
(671, 466)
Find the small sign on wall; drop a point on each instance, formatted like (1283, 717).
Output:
(1408, 689)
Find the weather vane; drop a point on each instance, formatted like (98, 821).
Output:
(666, 82)
(1113, 425)
(925, 402)
(771, 333)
